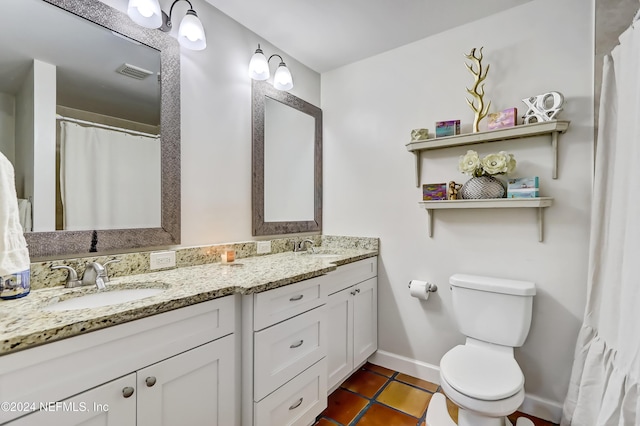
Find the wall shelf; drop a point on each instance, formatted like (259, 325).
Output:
(552, 128)
(492, 203)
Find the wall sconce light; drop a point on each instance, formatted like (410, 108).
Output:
(259, 70)
(147, 13)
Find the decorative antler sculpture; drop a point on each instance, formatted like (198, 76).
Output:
(478, 88)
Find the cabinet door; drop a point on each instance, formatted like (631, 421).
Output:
(340, 336)
(365, 320)
(194, 388)
(105, 405)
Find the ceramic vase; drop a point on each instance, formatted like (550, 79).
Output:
(482, 187)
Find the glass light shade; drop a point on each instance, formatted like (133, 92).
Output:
(282, 79)
(259, 66)
(146, 13)
(191, 32)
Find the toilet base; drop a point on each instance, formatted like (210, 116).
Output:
(438, 415)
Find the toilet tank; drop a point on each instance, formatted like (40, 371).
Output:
(493, 310)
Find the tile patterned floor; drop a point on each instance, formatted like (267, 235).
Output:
(377, 396)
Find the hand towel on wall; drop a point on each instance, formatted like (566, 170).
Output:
(14, 256)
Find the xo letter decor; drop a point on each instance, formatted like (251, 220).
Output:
(478, 88)
(543, 107)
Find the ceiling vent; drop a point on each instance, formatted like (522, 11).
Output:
(133, 71)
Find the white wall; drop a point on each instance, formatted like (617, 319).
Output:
(44, 132)
(216, 124)
(7, 126)
(369, 184)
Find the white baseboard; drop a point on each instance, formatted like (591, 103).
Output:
(542, 408)
(532, 405)
(412, 367)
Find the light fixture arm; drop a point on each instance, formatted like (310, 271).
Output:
(166, 19)
(275, 54)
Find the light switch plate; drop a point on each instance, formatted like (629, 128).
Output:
(162, 259)
(263, 247)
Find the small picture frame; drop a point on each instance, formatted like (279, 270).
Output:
(434, 191)
(447, 128)
(503, 119)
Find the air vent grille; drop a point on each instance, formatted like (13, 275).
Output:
(133, 71)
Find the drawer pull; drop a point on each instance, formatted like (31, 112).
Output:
(297, 344)
(296, 298)
(297, 404)
(127, 391)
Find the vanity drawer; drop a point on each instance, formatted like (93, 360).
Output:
(287, 349)
(296, 403)
(350, 274)
(279, 304)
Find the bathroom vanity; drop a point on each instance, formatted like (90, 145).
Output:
(240, 344)
(173, 368)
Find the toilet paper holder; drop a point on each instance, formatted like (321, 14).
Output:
(432, 288)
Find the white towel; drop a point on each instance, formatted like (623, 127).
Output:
(24, 211)
(14, 256)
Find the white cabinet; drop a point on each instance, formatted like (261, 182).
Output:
(112, 404)
(352, 319)
(191, 389)
(174, 368)
(284, 346)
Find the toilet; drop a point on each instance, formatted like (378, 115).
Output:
(482, 377)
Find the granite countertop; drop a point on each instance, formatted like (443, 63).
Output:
(25, 324)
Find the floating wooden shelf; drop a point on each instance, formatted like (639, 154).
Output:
(492, 203)
(553, 128)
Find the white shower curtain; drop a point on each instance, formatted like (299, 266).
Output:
(108, 179)
(604, 386)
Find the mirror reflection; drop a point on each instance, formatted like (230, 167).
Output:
(79, 120)
(288, 185)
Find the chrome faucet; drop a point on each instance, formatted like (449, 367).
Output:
(301, 246)
(95, 274)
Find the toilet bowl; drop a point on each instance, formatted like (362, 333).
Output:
(482, 376)
(486, 381)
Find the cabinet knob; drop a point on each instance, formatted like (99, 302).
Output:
(353, 293)
(150, 381)
(296, 298)
(357, 290)
(296, 404)
(297, 344)
(127, 391)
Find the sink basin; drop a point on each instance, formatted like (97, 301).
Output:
(103, 298)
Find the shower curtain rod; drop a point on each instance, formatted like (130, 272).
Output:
(104, 126)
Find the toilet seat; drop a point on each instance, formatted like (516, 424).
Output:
(497, 408)
(481, 373)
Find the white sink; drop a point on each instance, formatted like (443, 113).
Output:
(103, 298)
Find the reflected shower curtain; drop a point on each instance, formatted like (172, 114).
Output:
(108, 179)
(604, 387)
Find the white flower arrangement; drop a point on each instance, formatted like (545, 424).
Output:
(493, 164)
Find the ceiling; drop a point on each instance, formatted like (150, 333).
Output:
(326, 34)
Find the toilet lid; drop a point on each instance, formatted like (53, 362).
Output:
(481, 373)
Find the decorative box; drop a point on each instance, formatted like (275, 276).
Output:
(502, 119)
(447, 128)
(526, 187)
(434, 191)
(419, 135)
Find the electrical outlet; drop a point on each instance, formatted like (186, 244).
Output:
(263, 247)
(162, 259)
